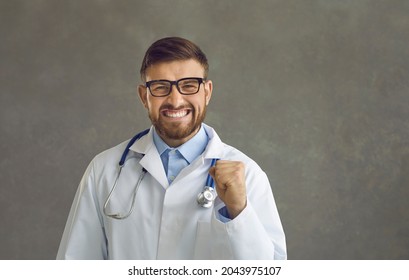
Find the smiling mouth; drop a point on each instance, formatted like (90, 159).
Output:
(176, 113)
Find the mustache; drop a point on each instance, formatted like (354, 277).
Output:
(171, 107)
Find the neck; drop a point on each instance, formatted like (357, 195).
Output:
(176, 142)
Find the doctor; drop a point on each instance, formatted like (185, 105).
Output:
(149, 209)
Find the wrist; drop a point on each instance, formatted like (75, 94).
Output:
(234, 211)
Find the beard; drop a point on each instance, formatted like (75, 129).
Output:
(177, 131)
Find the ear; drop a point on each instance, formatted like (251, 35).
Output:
(143, 95)
(208, 91)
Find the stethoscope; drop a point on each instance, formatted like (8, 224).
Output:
(205, 198)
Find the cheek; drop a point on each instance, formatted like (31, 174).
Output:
(200, 102)
(152, 105)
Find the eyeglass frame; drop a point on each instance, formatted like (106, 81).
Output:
(176, 83)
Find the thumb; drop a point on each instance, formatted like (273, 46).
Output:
(212, 172)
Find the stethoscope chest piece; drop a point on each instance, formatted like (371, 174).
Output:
(206, 197)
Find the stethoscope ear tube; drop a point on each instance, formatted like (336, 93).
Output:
(115, 216)
(121, 165)
(119, 216)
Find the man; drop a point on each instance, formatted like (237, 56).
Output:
(157, 215)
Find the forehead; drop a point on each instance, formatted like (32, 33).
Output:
(174, 70)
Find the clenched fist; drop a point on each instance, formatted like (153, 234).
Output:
(230, 185)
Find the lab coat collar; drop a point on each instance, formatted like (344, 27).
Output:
(152, 161)
(144, 144)
(215, 147)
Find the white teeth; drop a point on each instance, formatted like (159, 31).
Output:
(176, 114)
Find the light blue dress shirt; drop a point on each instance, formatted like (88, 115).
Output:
(175, 159)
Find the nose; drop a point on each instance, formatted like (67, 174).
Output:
(175, 97)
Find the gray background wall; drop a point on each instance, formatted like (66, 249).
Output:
(315, 91)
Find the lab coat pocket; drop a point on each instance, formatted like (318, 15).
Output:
(212, 241)
(203, 241)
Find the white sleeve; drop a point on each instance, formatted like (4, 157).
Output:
(256, 233)
(84, 236)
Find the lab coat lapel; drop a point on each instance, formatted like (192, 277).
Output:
(151, 160)
(215, 148)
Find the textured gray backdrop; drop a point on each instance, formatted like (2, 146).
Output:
(317, 92)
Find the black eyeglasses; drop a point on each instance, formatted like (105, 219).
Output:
(186, 86)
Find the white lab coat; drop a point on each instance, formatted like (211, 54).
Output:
(167, 222)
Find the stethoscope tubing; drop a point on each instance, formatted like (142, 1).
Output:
(209, 180)
(209, 186)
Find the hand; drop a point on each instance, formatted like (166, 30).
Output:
(230, 185)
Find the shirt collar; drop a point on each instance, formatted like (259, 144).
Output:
(215, 147)
(160, 145)
(189, 150)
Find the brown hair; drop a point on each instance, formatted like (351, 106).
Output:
(170, 49)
